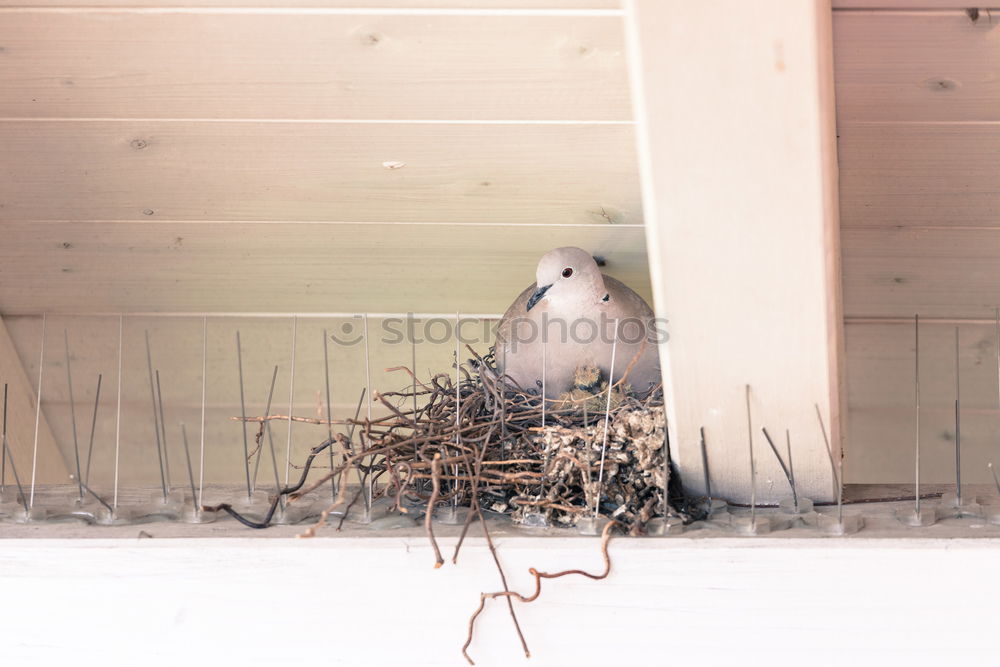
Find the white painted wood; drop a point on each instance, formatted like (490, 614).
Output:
(739, 179)
(943, 272)
(238, 267)
(920, 175)
(300, 66)
(916, 66)
(267, 601)
(152, 171)
(22, 401)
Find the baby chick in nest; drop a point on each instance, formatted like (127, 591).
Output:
(590, 392)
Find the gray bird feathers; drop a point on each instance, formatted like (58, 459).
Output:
(573, 318)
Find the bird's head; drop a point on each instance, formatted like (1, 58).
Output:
(568, 276)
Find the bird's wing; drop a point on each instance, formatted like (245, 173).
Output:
(519, 308)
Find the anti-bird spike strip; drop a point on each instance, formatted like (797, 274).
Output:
(919, 515)
(291, 399)
(368, 481)
(118, 409)
(329, 410)
(195, 500)
(3, 445)
(243, 413)
(267, 426)
(204, 390)
(607, 418)
(72, 414)
(163, 429)
(844, 524)
(156, 416)
(270, 440)
(38, 414)
(791, 468)
(704, 461)
(756, 525)
(958, 427)
(93, 427)
(784, 467)
(10, 456)
(458, 404)
(916, 406)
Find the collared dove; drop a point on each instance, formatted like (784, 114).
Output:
(578, 307)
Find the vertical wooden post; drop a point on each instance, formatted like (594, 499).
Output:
(736, 131)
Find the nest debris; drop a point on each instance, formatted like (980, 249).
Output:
(483, 441)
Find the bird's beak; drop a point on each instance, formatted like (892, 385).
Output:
(537, 296)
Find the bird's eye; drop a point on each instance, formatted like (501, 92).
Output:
(567, 272)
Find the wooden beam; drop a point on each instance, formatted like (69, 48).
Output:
(675, 598)
(738, 161)
(51, 467)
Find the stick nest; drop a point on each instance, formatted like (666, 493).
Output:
(484, 442)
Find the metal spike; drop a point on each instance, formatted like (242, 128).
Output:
(753, 465)
(458, 405)
(369, 482)
(93, 427)
(784, 467)
(704, 462)
(163, 429)
(195, 498)
(267, 428)
(791, 468)
(118, 409)
(204, 396)
(329, 411)
(72, 415)
(38, 415)
(3, 444)
(291, 400)
(916, 406)
(607, 420)
(243, 414)
(156, 416)
(838, 477)
(8, 453)
(958, 428)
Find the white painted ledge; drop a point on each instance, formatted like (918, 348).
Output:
(378, 601)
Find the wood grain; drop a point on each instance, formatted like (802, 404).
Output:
(916, 66)
(896, 272)
(755, 269)
(293, 267)
(301, 66)
(938, 175)
(317, 172)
